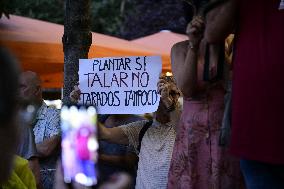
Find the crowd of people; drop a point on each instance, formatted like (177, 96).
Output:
(228, 133)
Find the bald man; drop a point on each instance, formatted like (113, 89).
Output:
(30, 87)
(46, 126)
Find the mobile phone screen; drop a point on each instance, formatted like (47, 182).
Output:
(79, 144)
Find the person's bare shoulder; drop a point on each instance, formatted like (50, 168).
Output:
(179, 51)
(180, 46)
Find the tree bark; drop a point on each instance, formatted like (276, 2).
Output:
(76, 40)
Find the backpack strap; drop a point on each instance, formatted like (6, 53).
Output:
(142, 133)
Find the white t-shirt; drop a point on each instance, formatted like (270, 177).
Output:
(155, 153)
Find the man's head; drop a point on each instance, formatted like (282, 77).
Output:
(30, 87)
(163, 113)
(8, 111)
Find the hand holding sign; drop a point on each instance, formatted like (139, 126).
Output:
(75, 94)
(168, 91)
(164, 91)
(120, 85)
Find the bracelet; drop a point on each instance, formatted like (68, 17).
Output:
(191, 45)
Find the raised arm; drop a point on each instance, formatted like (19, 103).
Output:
(220, 22)
(184, 67)
(184, 57)
(112, 135)
(169, 96)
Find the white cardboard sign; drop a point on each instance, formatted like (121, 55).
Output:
(120, 85)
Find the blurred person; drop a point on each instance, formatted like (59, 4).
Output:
(46, 127)
(153, 141)
(21, 177)
(257, 95)
(8, 122)
(198, 161)
(14, 171)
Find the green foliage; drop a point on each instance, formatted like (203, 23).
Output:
(107, 15)
(123, 18)
(4, 8)
(48, 10)
(153, 16)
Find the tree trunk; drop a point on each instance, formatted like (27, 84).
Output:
(76, 41)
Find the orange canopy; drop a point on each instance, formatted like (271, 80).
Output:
(37, 44)
(161, 41)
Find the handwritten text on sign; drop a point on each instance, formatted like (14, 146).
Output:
(120, 85)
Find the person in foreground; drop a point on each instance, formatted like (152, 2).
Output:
(14, 170)
(156, 147)
(198, 161)
(257, 94)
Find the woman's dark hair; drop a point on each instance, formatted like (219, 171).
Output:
(9, 85)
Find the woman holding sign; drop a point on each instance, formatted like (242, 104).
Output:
(198, 161)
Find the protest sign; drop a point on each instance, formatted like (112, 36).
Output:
(120, 85)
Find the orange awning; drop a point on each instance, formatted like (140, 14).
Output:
(161, 41)
(37, 45)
